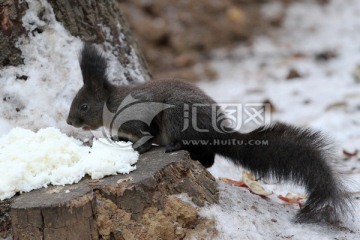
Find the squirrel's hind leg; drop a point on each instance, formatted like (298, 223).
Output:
(173, 147)
(207, 159)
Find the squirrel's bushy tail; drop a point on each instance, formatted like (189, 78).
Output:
(288, 153)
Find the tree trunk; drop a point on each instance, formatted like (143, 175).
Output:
(102, 22)
(120, 207)
(93, 21)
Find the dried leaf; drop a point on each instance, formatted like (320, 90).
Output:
(293, 199)
(349, 155)
(254, 186)
(250, 183)
(233, 182)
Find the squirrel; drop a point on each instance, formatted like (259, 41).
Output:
(294, 154)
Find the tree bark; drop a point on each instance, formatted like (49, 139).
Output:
(93, 21)
(122, 206)
(5, 221)
(102, 22)
(11, 12)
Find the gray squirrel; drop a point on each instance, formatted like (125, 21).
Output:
(297, 155)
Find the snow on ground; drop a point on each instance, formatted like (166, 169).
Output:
(326, 97)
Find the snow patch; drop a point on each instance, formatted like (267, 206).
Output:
(30, 160)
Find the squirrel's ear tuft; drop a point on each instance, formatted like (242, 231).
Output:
(93, 68)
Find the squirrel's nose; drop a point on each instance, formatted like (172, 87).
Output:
(68, 121)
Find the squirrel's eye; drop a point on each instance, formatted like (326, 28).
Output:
(84, 107)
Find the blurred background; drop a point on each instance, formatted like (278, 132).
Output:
(178, 37)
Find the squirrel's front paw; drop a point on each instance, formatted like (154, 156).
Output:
(117, 139)
(173, 147)
(144, 147)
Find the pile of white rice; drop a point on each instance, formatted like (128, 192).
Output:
(30, 160)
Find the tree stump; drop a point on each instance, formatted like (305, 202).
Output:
(139, 205)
